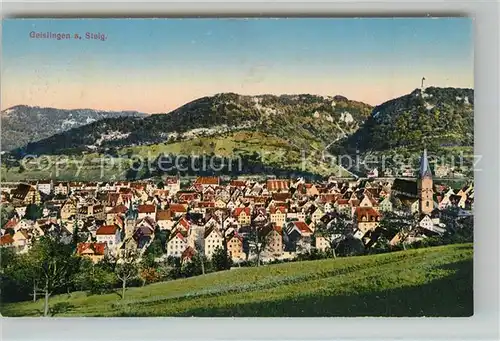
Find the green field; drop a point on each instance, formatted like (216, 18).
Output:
(424, 282)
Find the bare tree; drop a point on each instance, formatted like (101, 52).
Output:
(127, 269)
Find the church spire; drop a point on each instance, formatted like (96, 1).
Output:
(425, 169)
(131, 212)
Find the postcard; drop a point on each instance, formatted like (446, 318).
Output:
(258, 167)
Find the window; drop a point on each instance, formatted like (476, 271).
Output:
(427, 204)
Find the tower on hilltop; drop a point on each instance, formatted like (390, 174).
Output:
(425, 186)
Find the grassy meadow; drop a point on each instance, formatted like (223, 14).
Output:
(433, 281)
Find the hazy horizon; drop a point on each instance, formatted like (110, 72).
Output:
(158, 65)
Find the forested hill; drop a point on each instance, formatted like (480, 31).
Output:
(23, 124)
(433, 117)
(302, 120)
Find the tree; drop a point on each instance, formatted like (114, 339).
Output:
(160, 185)
(53, 266)
(201, 257)
(95, 278)
(127, 269)
(75, 239)
(33, 212)
(399, 223)
(257, 241)
(335, 232)
(221, 260)
(350, 246)
(6, 214)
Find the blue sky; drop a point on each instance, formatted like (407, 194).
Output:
(156, 65)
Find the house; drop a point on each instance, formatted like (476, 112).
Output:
(178, 210)
(296, 214)
(109, 234)
(235, 248)
(274, 241)
(176, 244)
(238, 184)
(94, 251)
(164, 219)
(44, 186)
(317, 215)
(212, 240)
(207, 181)
(146, 211)
(188, 254)
(343, 206)
(278, 215)
(93, 210)
(386, 205)
(25, 194)
(366, 219)
(172, 184)
(322, 243)
(274, 186)
(61, 188)
(297, 237)
(20, 210)
(367, 201)
(243, 215)
(6, 240)
(68, 210)
(21, 239)
(117, 211)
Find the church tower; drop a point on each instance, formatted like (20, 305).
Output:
(424, 185)
(130, 220)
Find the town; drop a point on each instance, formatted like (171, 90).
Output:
(277, 219)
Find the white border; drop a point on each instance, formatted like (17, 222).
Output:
(483, 325)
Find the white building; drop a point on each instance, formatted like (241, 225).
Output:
(109, 234)
(176, 245)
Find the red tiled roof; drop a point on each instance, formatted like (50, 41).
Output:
(177, 208)
(207, 180)
(11, 223)
(163, 215)
(302, 226)
(171, 180)
(98, 248)
(343, 201)
(125, 190)
(277, 228)
(106, 230)
(188, 253)
(328, 197)
(355, 202)
(6, 239)
(276, 185)
(238, 183)
(238, 210)
(368, 212)
(206, 204)
(275, 209)
(146, 208)
(118, 209)
(281, 196)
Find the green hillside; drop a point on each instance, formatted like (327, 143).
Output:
(424, 282)
(251, 147)
(435, 117)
